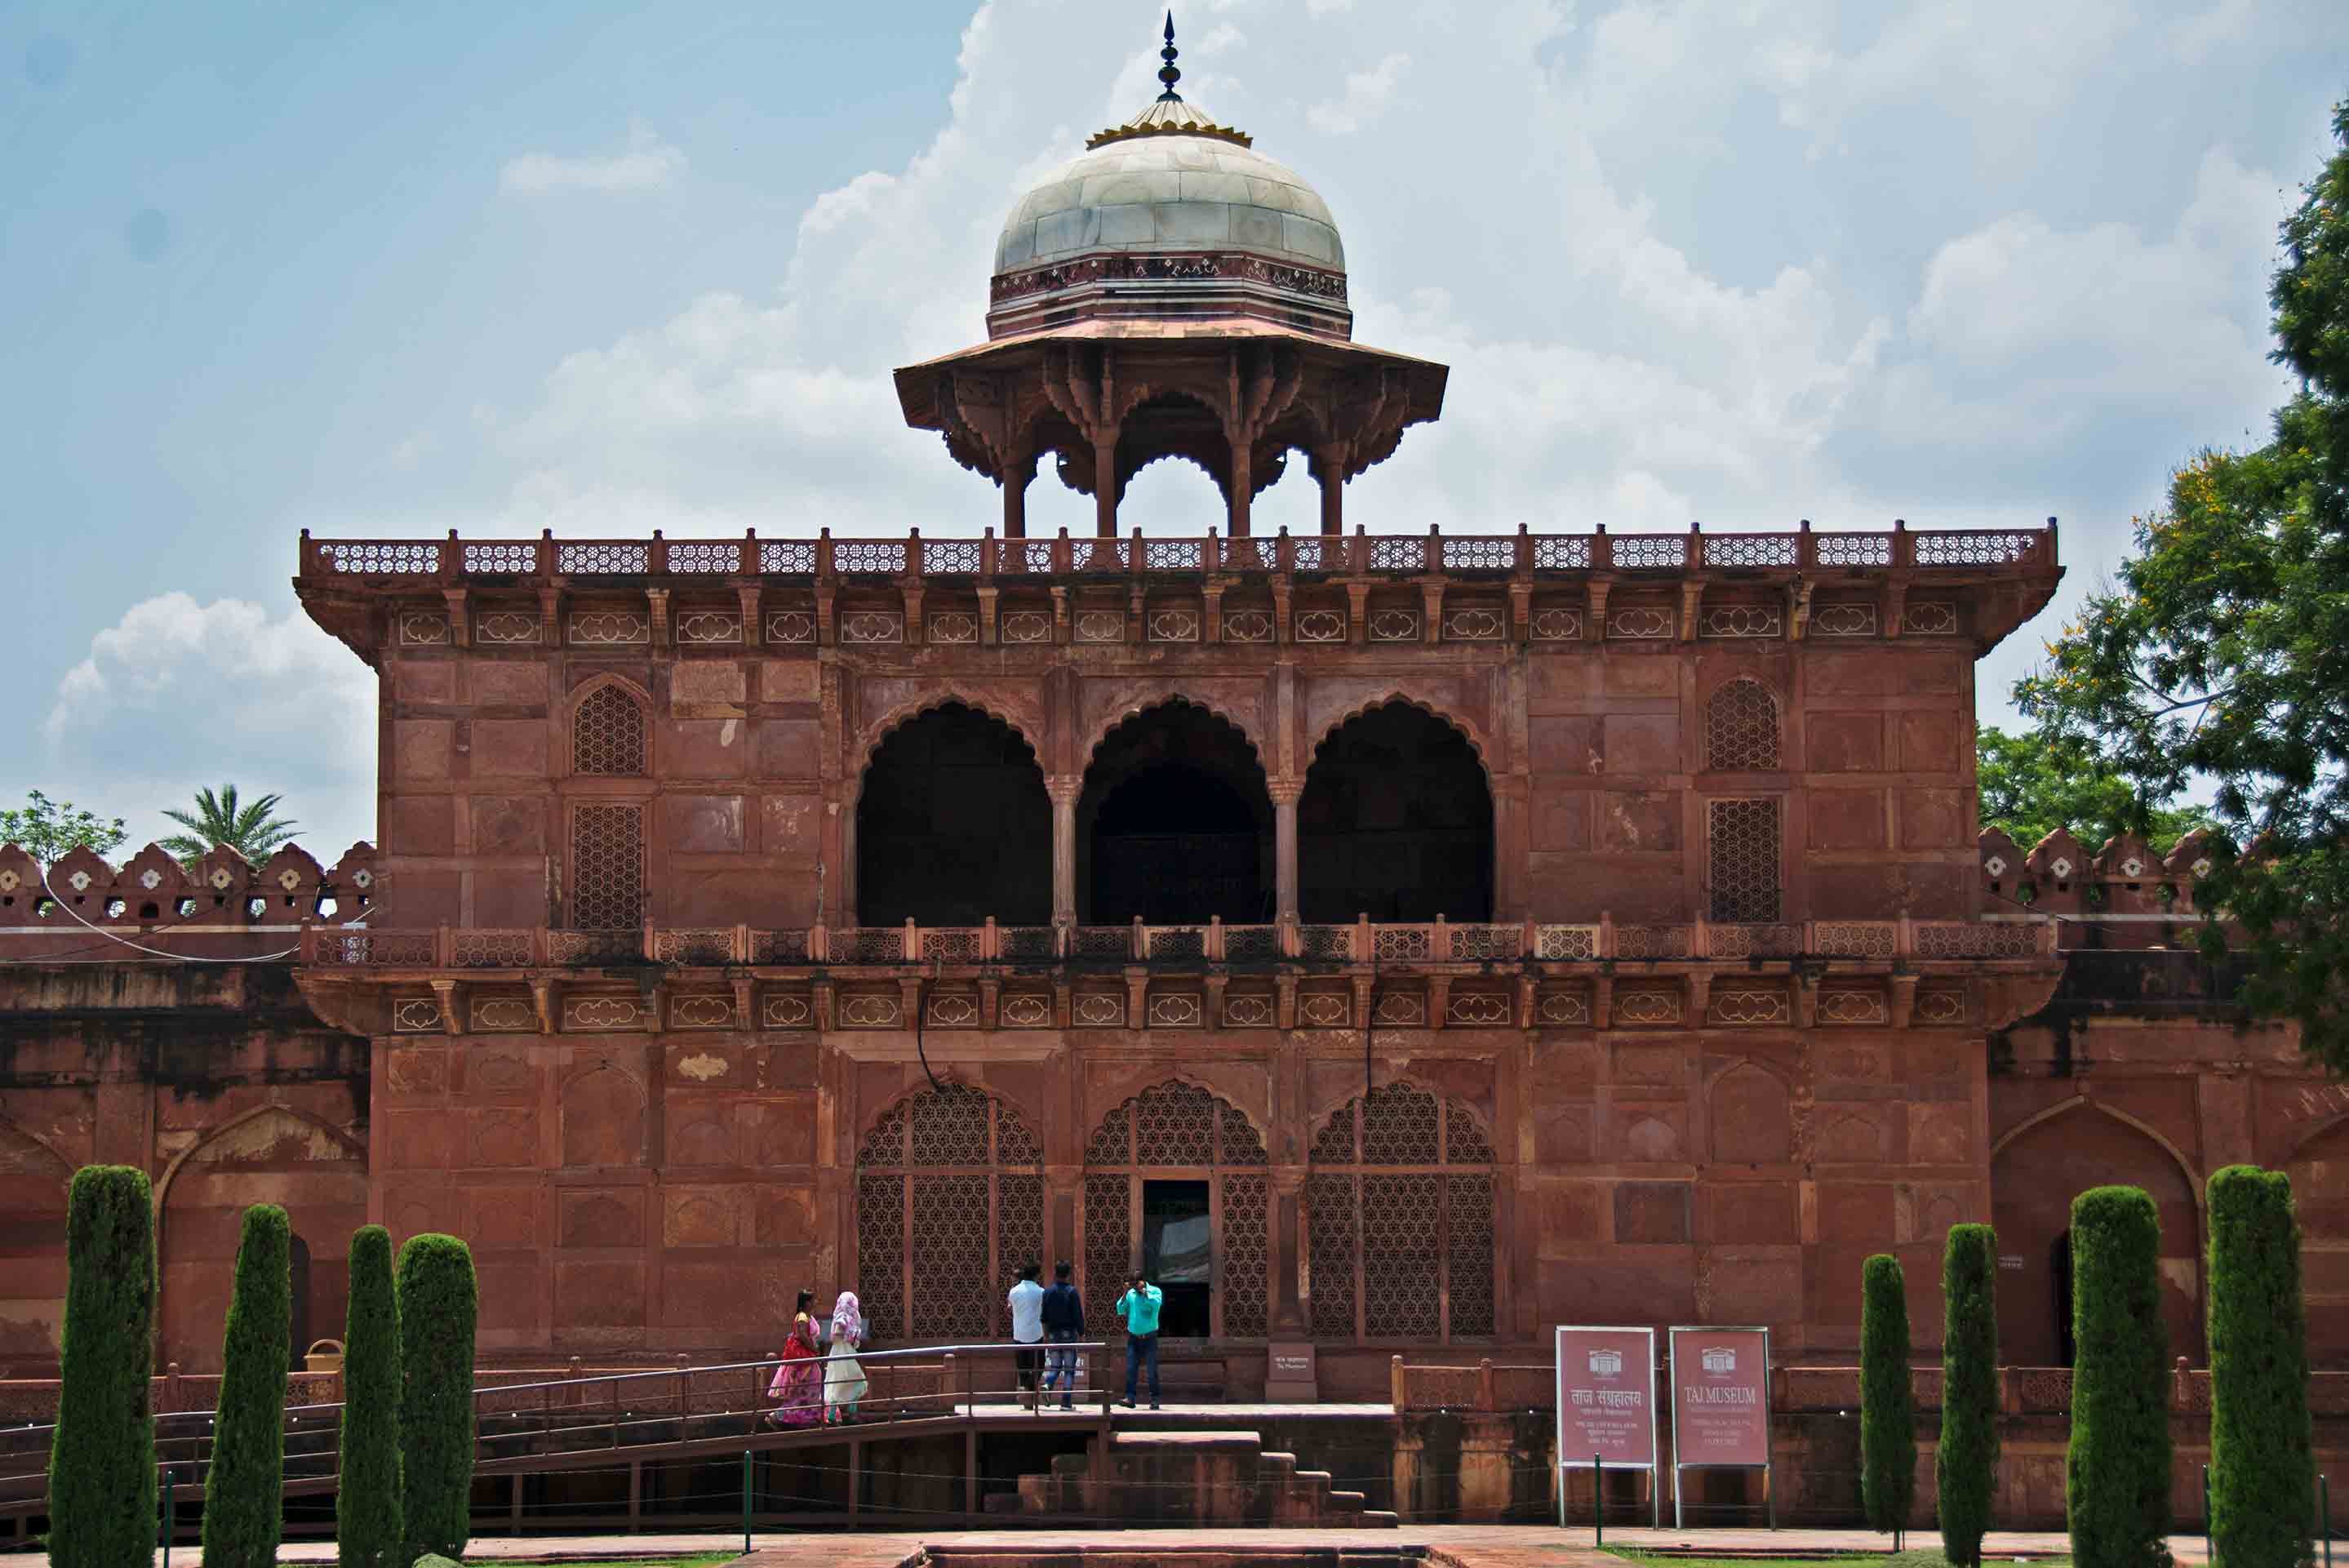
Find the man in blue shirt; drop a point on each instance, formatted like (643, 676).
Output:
(1139, 1307)
(1063, 1313)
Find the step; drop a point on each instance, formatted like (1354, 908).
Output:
(1133, 1442)
(1380, 1519)
(1346, 1502)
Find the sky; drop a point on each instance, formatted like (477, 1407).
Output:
(387, 271)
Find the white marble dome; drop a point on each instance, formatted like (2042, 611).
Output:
(1174, 193)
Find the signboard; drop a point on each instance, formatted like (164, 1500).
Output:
(1721, 1397)
(1607, 1395)
(1721, 1406)
(1289, 1377)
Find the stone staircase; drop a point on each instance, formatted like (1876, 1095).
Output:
(1179, 1478)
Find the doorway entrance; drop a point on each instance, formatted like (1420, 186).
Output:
(1176, 1253)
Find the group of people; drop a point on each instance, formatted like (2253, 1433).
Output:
(1054, 1320)
(821, 1380)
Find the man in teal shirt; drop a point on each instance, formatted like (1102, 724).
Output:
(1139, 1307)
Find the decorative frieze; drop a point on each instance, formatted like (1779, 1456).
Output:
(605, 1013)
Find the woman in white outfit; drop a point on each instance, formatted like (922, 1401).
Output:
(843, 1375)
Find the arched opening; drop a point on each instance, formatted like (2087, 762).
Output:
(2319, 1169)
(949, 1204)
(1174, 826)
(1396, 822)
(1398, 1220)
(954, 825)
(1174, 1184)
(2059, 1274)
(33, 1185)
(318, 1176)
(2034, 1176)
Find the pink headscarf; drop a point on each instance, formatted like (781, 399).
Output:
(847, 1320)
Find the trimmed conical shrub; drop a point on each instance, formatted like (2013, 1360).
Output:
(367, 1496)
(1887, 1428)
(1965, 1463)
(244, 1489)
(102, 1459)
(2262, 1472)
(2116, 1482)
(438, 1308)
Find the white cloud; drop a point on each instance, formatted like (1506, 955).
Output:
(179, 694)
(649, 163)
(1368, 93)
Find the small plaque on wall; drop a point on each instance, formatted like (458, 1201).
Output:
(1289, 1378)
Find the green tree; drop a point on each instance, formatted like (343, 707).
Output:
(438, 1310)
(45, 829)
(244, 1490)
(2032, 783)
(2116, 1480)
(1887, 1424)
(102, 1459)
(2262, 1472)
(367, 1495)
(2221, 655)
(254, 831)
(1965, 1463)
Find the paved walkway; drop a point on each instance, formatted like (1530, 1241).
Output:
(1458, 1545)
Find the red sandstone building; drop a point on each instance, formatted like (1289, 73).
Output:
(1462, 935)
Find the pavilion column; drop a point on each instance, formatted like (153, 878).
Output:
(1063, 791)
(1242, 490)
(1016, 478)
(1105, 485)
(1284, 849)
(1329, 472)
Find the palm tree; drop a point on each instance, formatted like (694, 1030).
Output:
(250, 830)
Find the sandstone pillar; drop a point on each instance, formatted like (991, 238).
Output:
(1243, 492)
(1105, 485)
(1284, 849)
(1329, 472)
(1063, 791)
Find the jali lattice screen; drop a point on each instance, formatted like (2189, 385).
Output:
(1398, 1220)
(949, 1203)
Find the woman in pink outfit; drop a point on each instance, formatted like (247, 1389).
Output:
(799, 1381)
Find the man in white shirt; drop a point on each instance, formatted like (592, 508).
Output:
(1027, 1302)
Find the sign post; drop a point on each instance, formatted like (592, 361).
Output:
(1721, 1406)
(1606, 1407)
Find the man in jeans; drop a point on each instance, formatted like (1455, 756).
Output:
(1027, 1303)
(1064, 1324)
(1139, 1307)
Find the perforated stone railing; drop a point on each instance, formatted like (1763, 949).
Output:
(1364, 942)
(407, 562)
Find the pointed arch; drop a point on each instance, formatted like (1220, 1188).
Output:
(1749, 1113)
(952, 823)
(2038, 1167)
(1396, 696)
(317, 1171)
(1396, 819)
(603, 1110)
(949, 1202)
(1170, 696)
(1400, 1219)
(609, 728)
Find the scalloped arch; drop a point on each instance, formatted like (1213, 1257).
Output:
(904, 713)
(1399, 697)
(947, 1080)
(1131, 711)
(1322, 1115)
(603, 678)
(1188, 1080)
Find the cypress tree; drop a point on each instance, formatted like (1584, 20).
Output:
(2262, 1472)
(368, 1498)
(1888, 1430)
(2117, 1490)
(1965, 1464)
(438, 1308)
(244, 1489)
(102, 1459)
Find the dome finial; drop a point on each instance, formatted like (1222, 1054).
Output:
(1168, 73)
